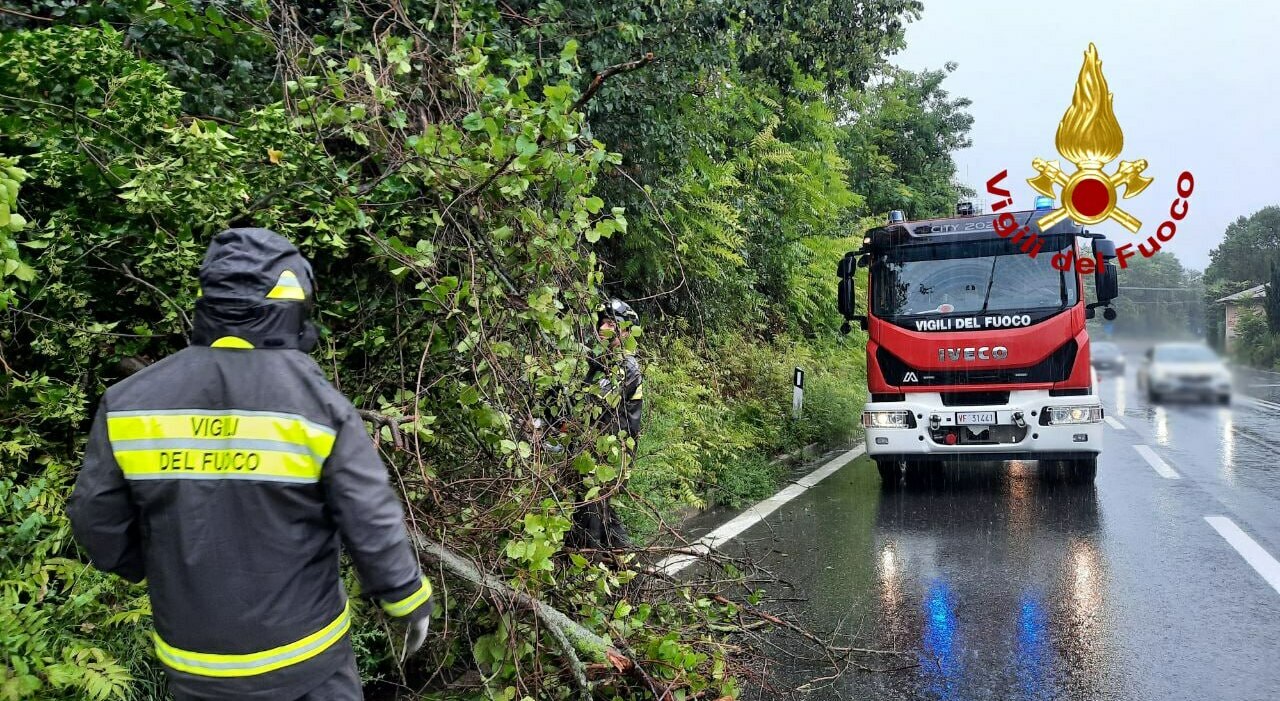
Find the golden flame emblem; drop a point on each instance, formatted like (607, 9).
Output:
(1090, 137)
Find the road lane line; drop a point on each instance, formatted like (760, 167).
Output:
(1258, 558)
(1238, 433)
(756, 513)
(1113, 422)
(1257, 402)
(1157, 464)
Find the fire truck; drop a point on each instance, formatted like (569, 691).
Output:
(976, 349)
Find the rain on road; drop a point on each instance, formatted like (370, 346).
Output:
(999, 586)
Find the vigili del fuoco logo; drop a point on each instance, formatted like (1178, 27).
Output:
(1089, 136)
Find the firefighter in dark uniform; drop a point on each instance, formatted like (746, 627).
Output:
(225, 476)
(595, 525)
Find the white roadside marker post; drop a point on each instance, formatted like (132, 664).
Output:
(797, 394)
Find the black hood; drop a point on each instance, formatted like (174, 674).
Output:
(256, 287)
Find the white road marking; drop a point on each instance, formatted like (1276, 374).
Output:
(757, 513)
(1257, 402)
(1113, 422)
(1258, 558)
(1157, 464)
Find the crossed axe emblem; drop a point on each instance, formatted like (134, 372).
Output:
(1089, 196)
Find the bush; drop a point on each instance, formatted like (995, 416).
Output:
(717, 414)
(1255, 345)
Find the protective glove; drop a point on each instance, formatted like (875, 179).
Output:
(415, 630)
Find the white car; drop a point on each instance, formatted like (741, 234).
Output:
(1184, 370)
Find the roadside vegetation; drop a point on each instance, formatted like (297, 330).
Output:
(471, 179)
(1248, 256)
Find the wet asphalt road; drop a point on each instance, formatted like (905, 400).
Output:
(999, 586)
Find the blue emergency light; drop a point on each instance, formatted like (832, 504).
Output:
(1043, 202)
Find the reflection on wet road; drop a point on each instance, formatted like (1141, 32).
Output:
(1001, 586)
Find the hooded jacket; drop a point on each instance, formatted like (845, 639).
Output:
(225, 475)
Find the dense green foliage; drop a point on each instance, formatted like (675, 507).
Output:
(1249, 246)
(468, 196)
(1248, 256)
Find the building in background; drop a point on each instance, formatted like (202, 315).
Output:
(1234, 305)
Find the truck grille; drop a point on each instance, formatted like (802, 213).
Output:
(975, 398)
(1055, 368)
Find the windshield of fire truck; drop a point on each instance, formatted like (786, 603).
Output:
(956, 279)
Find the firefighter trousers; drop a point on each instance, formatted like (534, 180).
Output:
(342, 685)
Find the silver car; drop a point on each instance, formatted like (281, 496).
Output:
(1184, 370)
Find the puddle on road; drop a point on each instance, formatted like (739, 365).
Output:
(993, 583)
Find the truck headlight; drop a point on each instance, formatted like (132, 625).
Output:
(896, 418)
(1065, 415)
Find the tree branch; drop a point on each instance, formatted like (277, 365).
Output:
(574, 639)
(608, 73)
(7, 11)
(391, 422)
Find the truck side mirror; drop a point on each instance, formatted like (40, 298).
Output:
(846, 297)
(1107, 282)
(848, 305)
(1105, 248)
(846, 267)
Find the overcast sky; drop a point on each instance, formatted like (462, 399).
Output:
(1196, 85)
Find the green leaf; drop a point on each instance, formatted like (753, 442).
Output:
(570, 50)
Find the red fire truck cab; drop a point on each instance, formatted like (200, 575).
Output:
(976, 350)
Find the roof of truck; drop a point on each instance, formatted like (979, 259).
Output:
(976, 227)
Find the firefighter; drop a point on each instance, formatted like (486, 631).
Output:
(595, 525)
(225, 475)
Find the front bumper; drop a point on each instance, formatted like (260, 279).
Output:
(1001, 441)
(1193, 386)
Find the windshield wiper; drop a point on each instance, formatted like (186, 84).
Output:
(991, 281)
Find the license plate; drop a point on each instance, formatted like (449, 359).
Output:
(975, 418)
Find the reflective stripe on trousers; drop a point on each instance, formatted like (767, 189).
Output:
(249, 664)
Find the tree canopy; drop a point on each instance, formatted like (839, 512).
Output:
(1249, 246)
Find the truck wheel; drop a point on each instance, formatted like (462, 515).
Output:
(891, 473)
(1080, 470)
(1069, 471)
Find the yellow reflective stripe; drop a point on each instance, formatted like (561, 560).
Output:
(410, 603)
(639, 393)
(206, 425)
(197, 463)
(250, 664)
(231, 342)
(287, 287)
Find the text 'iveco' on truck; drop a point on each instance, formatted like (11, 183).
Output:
(976, 349)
